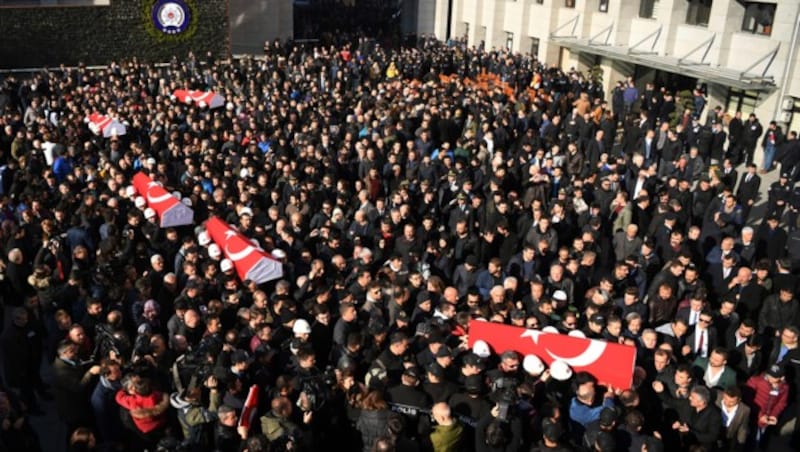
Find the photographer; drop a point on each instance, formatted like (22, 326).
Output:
(193, 416)
(499, 431)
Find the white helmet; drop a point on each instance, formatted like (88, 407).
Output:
(533, 365)
(550, 329)
(481, 348)
(301, 326)
(560, 370)
(577, 333)
(203, 238)
(214, 251)
(226, 265)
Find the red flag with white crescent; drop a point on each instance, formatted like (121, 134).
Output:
(208, 99)
(250, 261)
(170, 211)
(612, 364)
(249, 408)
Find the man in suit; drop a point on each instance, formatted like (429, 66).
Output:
(750, 134)
(718, 137)
(747, 194)
(702, 339)
(735, 419)
(71, 382)
(703, 423)
(720, 277)
(648, 147)
(729, 174)
(735, 129)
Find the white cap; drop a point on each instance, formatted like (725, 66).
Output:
(560, 295)
(481, 348)
(139, 202)
(203, 239)
(577, 333)
(229, 106)
(149, 213)
(533, 365)
(278, 253)
(246, 211)
(550, 329)
(214, 251)
(301, 326)
(130, 191)
(560, 370)
(151, 161)
(226, 265)
(243, 173)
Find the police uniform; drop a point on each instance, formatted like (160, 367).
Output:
(779, 195)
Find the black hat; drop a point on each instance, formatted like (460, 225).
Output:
(607, 417)
(775, 371)
(239, 356)
(473, 384)
(471, 359)
(517, 314)
(436, 370)
(287, 316)
(444, 352)
(402, 316)
(423, 296)
(412, 371)
(785, 175)
(597, 319)
(472, 260)
(605, 442)
(552, 431)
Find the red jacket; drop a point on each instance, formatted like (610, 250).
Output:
(766, 403)
(135, 401)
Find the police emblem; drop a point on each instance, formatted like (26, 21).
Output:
(171, 16)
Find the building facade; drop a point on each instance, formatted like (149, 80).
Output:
(745, 53)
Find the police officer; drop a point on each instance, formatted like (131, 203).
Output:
(409, 400)
(779, 195)
(794, 209)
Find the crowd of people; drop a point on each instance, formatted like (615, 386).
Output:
(402, 205)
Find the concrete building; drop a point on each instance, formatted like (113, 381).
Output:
(745, 52)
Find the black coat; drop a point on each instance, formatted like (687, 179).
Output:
(71, 384)
(704, 427)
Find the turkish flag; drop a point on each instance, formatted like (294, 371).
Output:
(612, 364)
(251, 262)
(170, 211)
(208, 99)
(106, 126)
(249, 408)
(182, 95)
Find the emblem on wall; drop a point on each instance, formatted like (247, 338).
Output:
(171, 16)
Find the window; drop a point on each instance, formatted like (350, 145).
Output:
(758, 18)
(603, 6)
(699, 12)
(569, 3)
(746, 101)
(535, 47)
(509, 40)
(648, 9)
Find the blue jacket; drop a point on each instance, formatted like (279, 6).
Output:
(584, 414)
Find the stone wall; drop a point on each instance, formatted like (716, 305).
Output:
(49, 36)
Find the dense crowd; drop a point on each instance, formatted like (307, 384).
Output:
(402, 205)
